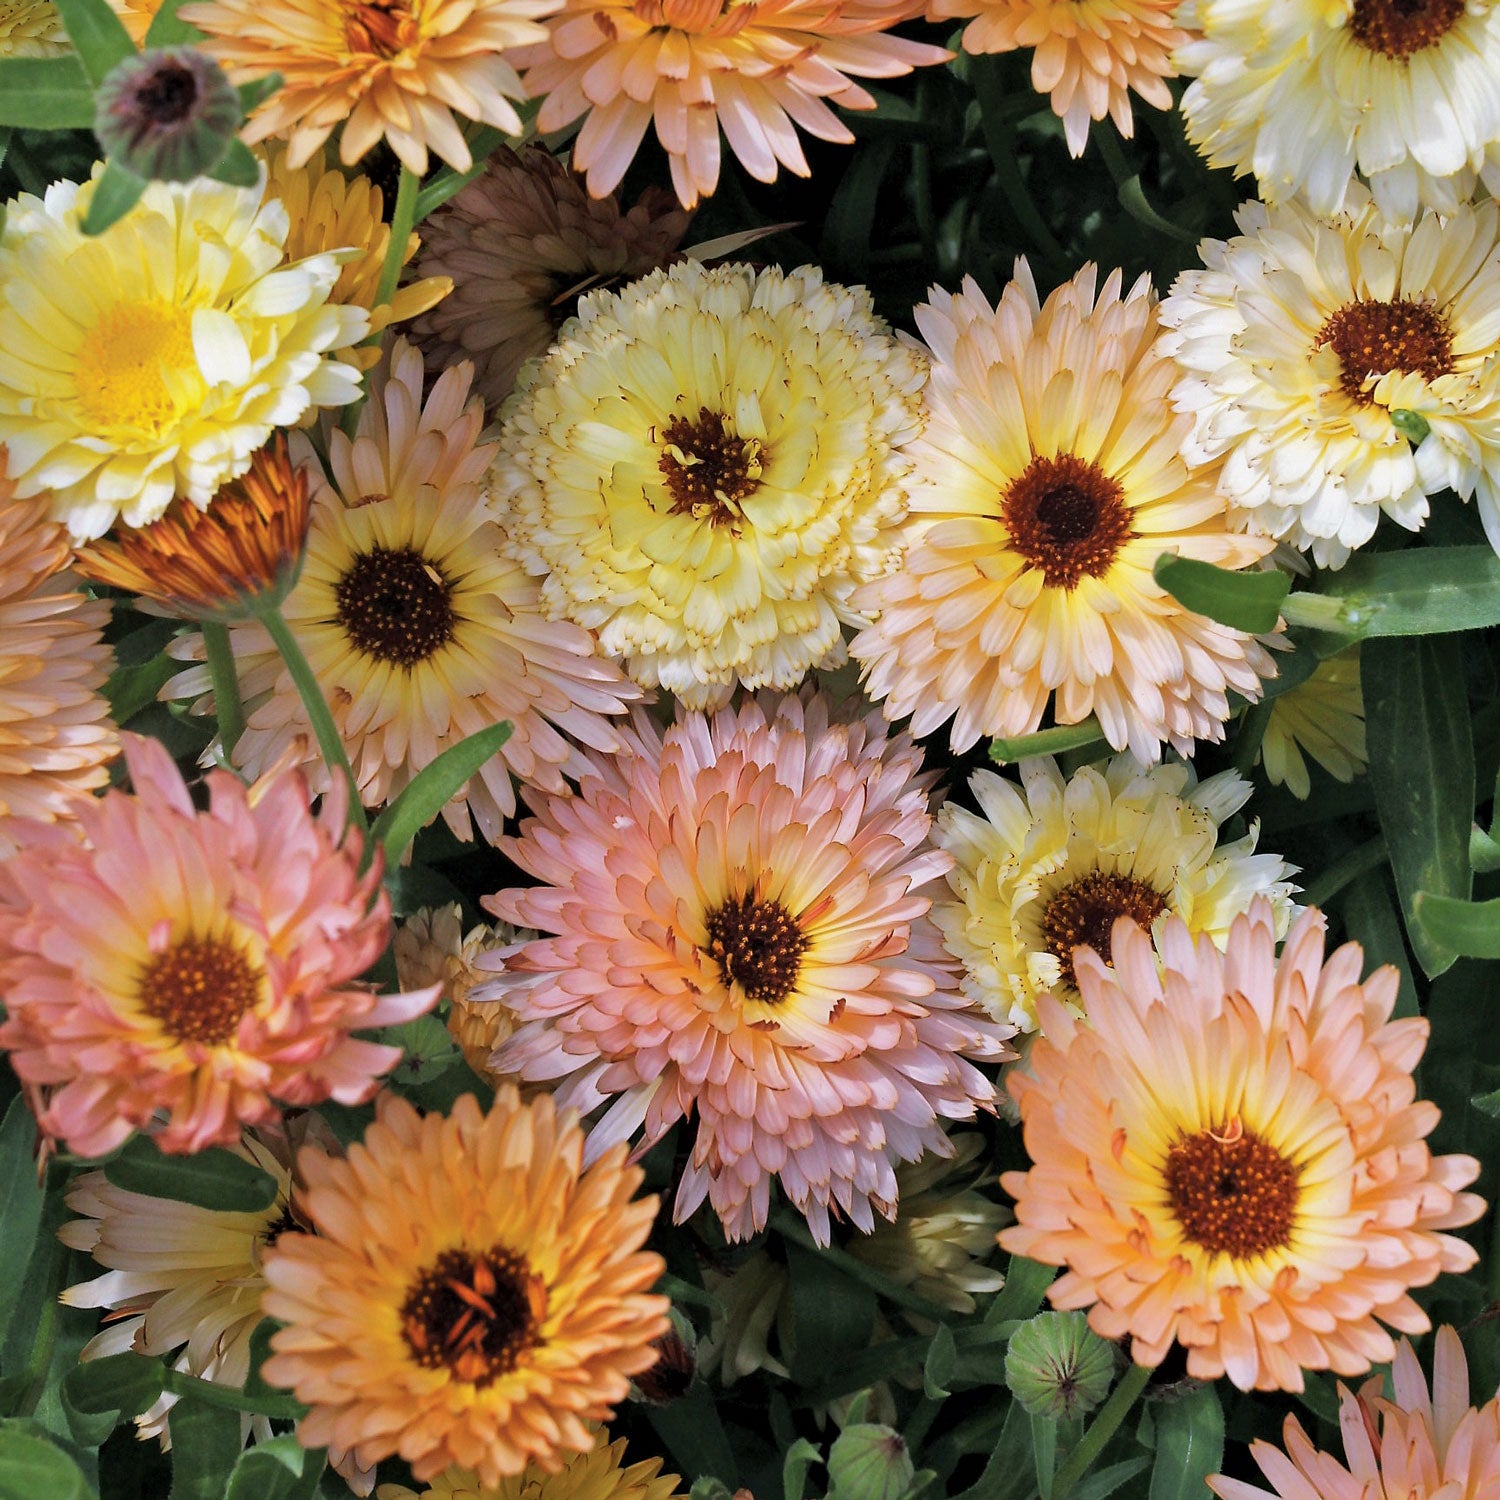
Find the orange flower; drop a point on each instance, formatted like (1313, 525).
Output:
(473, 1296)
(1230, 1155)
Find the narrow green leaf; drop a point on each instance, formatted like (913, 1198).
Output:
(260, 1351)
(694, 1436)
(31, 1468)
(45, 93)
(1053, 741)
(205, 1449)
(214, 1178)
(1471, 929)
(98, 36)
(1484, 851)
(800, 1457)
(834, 1314)
(1008, 1472)
(122, 1384)
(258, 90)
(430, 789)
(941, 1362)
(1370, 917)
(168, 29)
(446, 183)
(1189, 1445)
(1104, 1482)
(1133, 200)
(21, 1200)
(1421, 591)
(115, 194)
(268, 1471)
(1488, 1104)
(1243, 601)
(1044, 1452)
(1026, 1283)
(1421, 755)
(238, 166)
(131, 689)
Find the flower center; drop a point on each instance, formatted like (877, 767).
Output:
(167, 94)
(1373, 338)
(1232, 1193)
(475, 1314)
(395, 606)
(137, 369)
(709, 469)
(379, 28)
(1066, 517)
(1398, 28)
(759, 946)
(198, 990)
(1082, 915)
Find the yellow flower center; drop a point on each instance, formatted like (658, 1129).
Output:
(758, 945)
(708, 468)
(1373, 338)
(1067, 517)
(1232, 1193)
(1398, 28)
(199, 988)
(1083, 913)
(137, 368)
(476, 1314)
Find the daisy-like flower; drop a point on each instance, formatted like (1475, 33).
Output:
(394, 69)
(1306, 94)
(136, 16)
(1421, 1446)
(706, 465)
(521, 243)
(1049, 480)
(331, 210)
(1314, 353)
(1049, 866)
(194, 965)
(416, 622)
(154, 359)
(32, 28)
(740, 908)
(56, 738)
(1089, 55)
(1229, 1154)
(690, 67)
(598, 1475)
(1322, 718)
(473, 1296)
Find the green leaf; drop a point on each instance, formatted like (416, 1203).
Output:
(1026, 1283)
(1243, 601)
(430, 789)
(1412, 425)
(258, 90)
(444, 184)
(97, 34)
(1370, 917)
(21, 1200)
(694, 1436)
(214, 1178)
(115, 194)
(238, 166)
(800, 1457)
(1421, 591)
(122, 1385)
(1047, 742)
(1488, 1104)
(834, 1315)
(941, 1362)
(167, 29)
(268, 1471)
(1422, 772)
(1133, 200)
(1484, 852)
(1471, 929)
(31, 1468)
(45, 93)
(1008, 1474)
(260, 1352)
(1189, 1445)
(1104, 1482)
(1044, 1452)
(205, 1449)
(131, 689)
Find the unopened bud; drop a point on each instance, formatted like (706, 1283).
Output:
(168, 113)
(1057, 1366)
(869, 1461)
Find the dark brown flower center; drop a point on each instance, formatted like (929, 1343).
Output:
(1373, 338)
(1066, 517)
(475, 1314)
(1082, 915)
(379, 28)
(708, 468)
(759, 945)
(395, 606)
(166, 94)
(1398, 28)
(1232, 1193)
(198, 990)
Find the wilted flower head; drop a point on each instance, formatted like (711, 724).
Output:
(168, 113)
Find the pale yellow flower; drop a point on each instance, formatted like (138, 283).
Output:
(32, 28)
(1324, 718)
(597, 1475)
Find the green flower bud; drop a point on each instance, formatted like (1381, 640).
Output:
(1057, 1366)
(869, 1461)
(169, 113)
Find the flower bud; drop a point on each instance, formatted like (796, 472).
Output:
(1057, 1366)
(869, 1461)
(168, 113)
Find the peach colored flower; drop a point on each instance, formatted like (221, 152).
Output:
(195, 965)
(741, 915)
(1229, 1153)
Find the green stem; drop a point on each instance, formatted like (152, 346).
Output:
(288, 1408)
(1345, 871)
(1252, 732)
(227, 701)
(403, 220)
(330, 741)
(995, 116)
(1101, 1430)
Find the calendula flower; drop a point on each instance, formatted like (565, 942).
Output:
(1343, 368)
(1049, 480)
(1419, 1446)
(56, 738)
(1306, 95)
(521, 244)
(216, 564)
(704, 468)
(406, 71)
(473, 1296)
(750, 1301)
(32, 28)
(1323, 718)
(153, 360)
(1089, 56)
(190, 969)
(416, 622)
(740, 915)
(1050, 865)
(690, 68)
(1228, 1154)
(597, 1475)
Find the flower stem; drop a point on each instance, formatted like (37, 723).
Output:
(330, 741)
(403, 219)
(1101, 1430)
(227, 702)
(288, 1408)
(1345, 871)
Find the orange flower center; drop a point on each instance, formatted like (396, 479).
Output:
(137, 369)
(1232, 1193)
(395, 606)
(759, 946)
(379, 28)
(1066, 517)
(198, 990)
(1373, 338)
(1082, 915)
(708, 468)
(476, 1315)
(1398, 28)
(717, 17)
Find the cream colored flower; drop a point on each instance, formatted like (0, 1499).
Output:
(32, 28)
(1324, 718)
